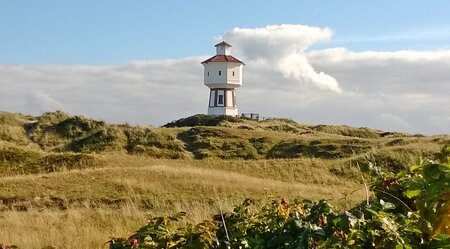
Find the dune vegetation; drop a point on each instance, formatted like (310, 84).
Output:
(74, 182)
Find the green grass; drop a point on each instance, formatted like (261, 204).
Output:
(150, 182)
(207, 137)
(64, 168)
(16, 160)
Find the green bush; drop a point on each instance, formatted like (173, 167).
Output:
(102, 140)
(317, 149)
(16, 160)
(201, 120)
(52, 118)
(214, 142)
(77, 127)
(67, 161)
(262, 144)
(344, 130)
(410, 209)
(151, 143)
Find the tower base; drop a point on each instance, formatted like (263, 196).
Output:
(230, 111)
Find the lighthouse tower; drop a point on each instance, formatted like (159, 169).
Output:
(223, 75)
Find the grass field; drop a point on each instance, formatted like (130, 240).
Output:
(73, 182)
(86, 207)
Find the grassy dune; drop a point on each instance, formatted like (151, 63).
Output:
(74, 182)
(86, 207)
(160, 182)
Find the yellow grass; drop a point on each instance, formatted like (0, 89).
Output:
(119, 190)
(85, 208)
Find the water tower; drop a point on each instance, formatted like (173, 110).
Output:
(223, 75)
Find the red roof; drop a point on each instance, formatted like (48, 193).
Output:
(222, 58)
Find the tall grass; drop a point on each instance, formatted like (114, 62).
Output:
(84, 208)
(73, 182)
(73, 228)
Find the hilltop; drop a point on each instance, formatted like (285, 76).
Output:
(56, 140)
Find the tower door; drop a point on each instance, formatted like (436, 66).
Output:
(220, 101)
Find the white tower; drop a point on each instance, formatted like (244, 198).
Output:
(223, 75)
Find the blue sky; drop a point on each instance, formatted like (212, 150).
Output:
(116, 32)
(379, 64)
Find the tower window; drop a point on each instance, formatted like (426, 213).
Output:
(208, 73)
(220, 72)
(220, 100)
(233, 73)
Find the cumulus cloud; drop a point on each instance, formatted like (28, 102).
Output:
(417, 73)
(442, 121)
(391, 121)
(282, 47)
(137, 92)
(396, 91)
(39, 101)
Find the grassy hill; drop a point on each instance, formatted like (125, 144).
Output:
(35, 144)
(93, 180)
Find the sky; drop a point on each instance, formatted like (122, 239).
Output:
(377, 64)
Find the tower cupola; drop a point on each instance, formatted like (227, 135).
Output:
(223, 48)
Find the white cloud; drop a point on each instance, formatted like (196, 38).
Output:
(438, 33)
(282, 48)
(39, 101)
(442, 121)
(391, 121)
(138, 92)
(403, 90)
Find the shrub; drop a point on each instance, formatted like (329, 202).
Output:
(344, 130)
(77, 127)
(202, 120)
(102, 140)
(16, 160)
(67, 161)
(214, 142)
(149, 142)
(410, 209)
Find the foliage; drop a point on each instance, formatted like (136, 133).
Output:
(344, 130)
(224, 137)
(17, 160)
(329, 150)
(149, 142)
(206, 142)
(410, 209)
(201, 120)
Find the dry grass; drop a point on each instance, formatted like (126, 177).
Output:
(86, 202)
(73, 228)
(162, 181)
(86, 228)
(85, 208)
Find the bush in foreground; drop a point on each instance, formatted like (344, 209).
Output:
(409, 209)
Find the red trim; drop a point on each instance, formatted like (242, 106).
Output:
(222, 58)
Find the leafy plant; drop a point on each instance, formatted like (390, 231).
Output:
(410, 209)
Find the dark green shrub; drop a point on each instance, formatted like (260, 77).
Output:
(101, 140)
(201, 120)
(214, 142)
